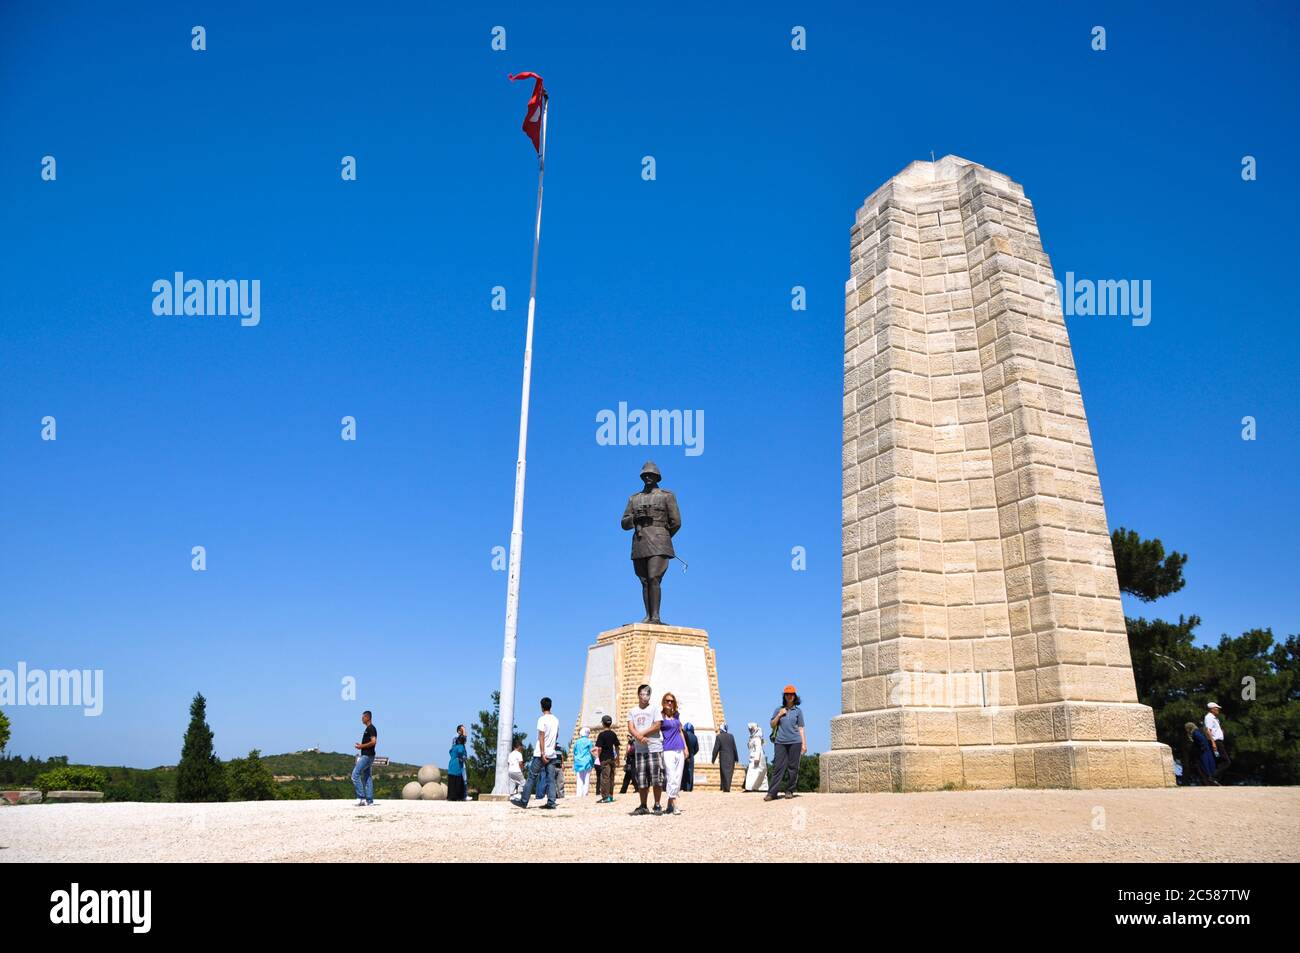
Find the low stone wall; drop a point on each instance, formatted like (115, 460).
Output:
(72, 797)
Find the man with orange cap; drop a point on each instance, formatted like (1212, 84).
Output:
(790, 743)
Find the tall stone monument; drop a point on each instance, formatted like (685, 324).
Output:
(983, 636)
(669, 658)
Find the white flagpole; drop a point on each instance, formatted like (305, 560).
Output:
(505, 726)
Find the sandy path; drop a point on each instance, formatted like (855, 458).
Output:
(1129, 825)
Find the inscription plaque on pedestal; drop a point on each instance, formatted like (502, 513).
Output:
(683, 670)
(598, 693)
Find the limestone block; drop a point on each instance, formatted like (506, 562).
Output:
(1126, 723)
(851, 663)
(988, 768)
(1054, 766)
(961, 655)
(876, 772)
(896, 726)
(929, 769)
(433, 791)
(1107, 766)
(1027, 687)
(936, 727)
(1146, 765)
(1004, 726)
(841, 733)
(430, 772)
(839, 773)
(993, 655)
(1034, 725)
(870, 661)
(1086, 723)
(411, 791)
(975, 727)
(871, 693)
(864, 731)
(1026, 774)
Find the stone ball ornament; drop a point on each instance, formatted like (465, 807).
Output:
(433, 791)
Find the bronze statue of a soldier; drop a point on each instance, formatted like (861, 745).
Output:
(654, 519)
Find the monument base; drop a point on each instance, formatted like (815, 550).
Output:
(1056, 745)
(669, 658)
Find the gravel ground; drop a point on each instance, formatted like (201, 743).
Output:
(1196, 824)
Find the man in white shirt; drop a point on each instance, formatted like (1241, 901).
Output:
(643, 724)
(515, 769)
(548, 729)
(1214, 731)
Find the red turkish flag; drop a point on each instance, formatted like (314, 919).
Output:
(536, 105)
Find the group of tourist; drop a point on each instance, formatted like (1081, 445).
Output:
(658, 758)
(363, 780)
(1205, 752)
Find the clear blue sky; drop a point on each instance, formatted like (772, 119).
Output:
(373, 559)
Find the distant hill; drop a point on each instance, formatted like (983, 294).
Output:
(302, 774)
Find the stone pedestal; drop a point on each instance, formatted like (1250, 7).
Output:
(670, 659)
(983, 636)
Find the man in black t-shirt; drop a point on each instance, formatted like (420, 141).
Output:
(607, 748)
(361, 780)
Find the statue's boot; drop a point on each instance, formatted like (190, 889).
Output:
(655, 595)
(645, 599)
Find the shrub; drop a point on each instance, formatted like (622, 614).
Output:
(75, 778)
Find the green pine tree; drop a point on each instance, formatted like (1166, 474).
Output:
(1255, 678)
(250, 779)
(483, 746)
(4, 732)
(1143, 568)
(200, 775)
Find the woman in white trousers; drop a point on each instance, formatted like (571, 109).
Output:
(670, 729)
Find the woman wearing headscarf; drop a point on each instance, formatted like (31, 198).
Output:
(692, 749)
(456, 769)
(582, 761)
(756, 773)
(1200, 755)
